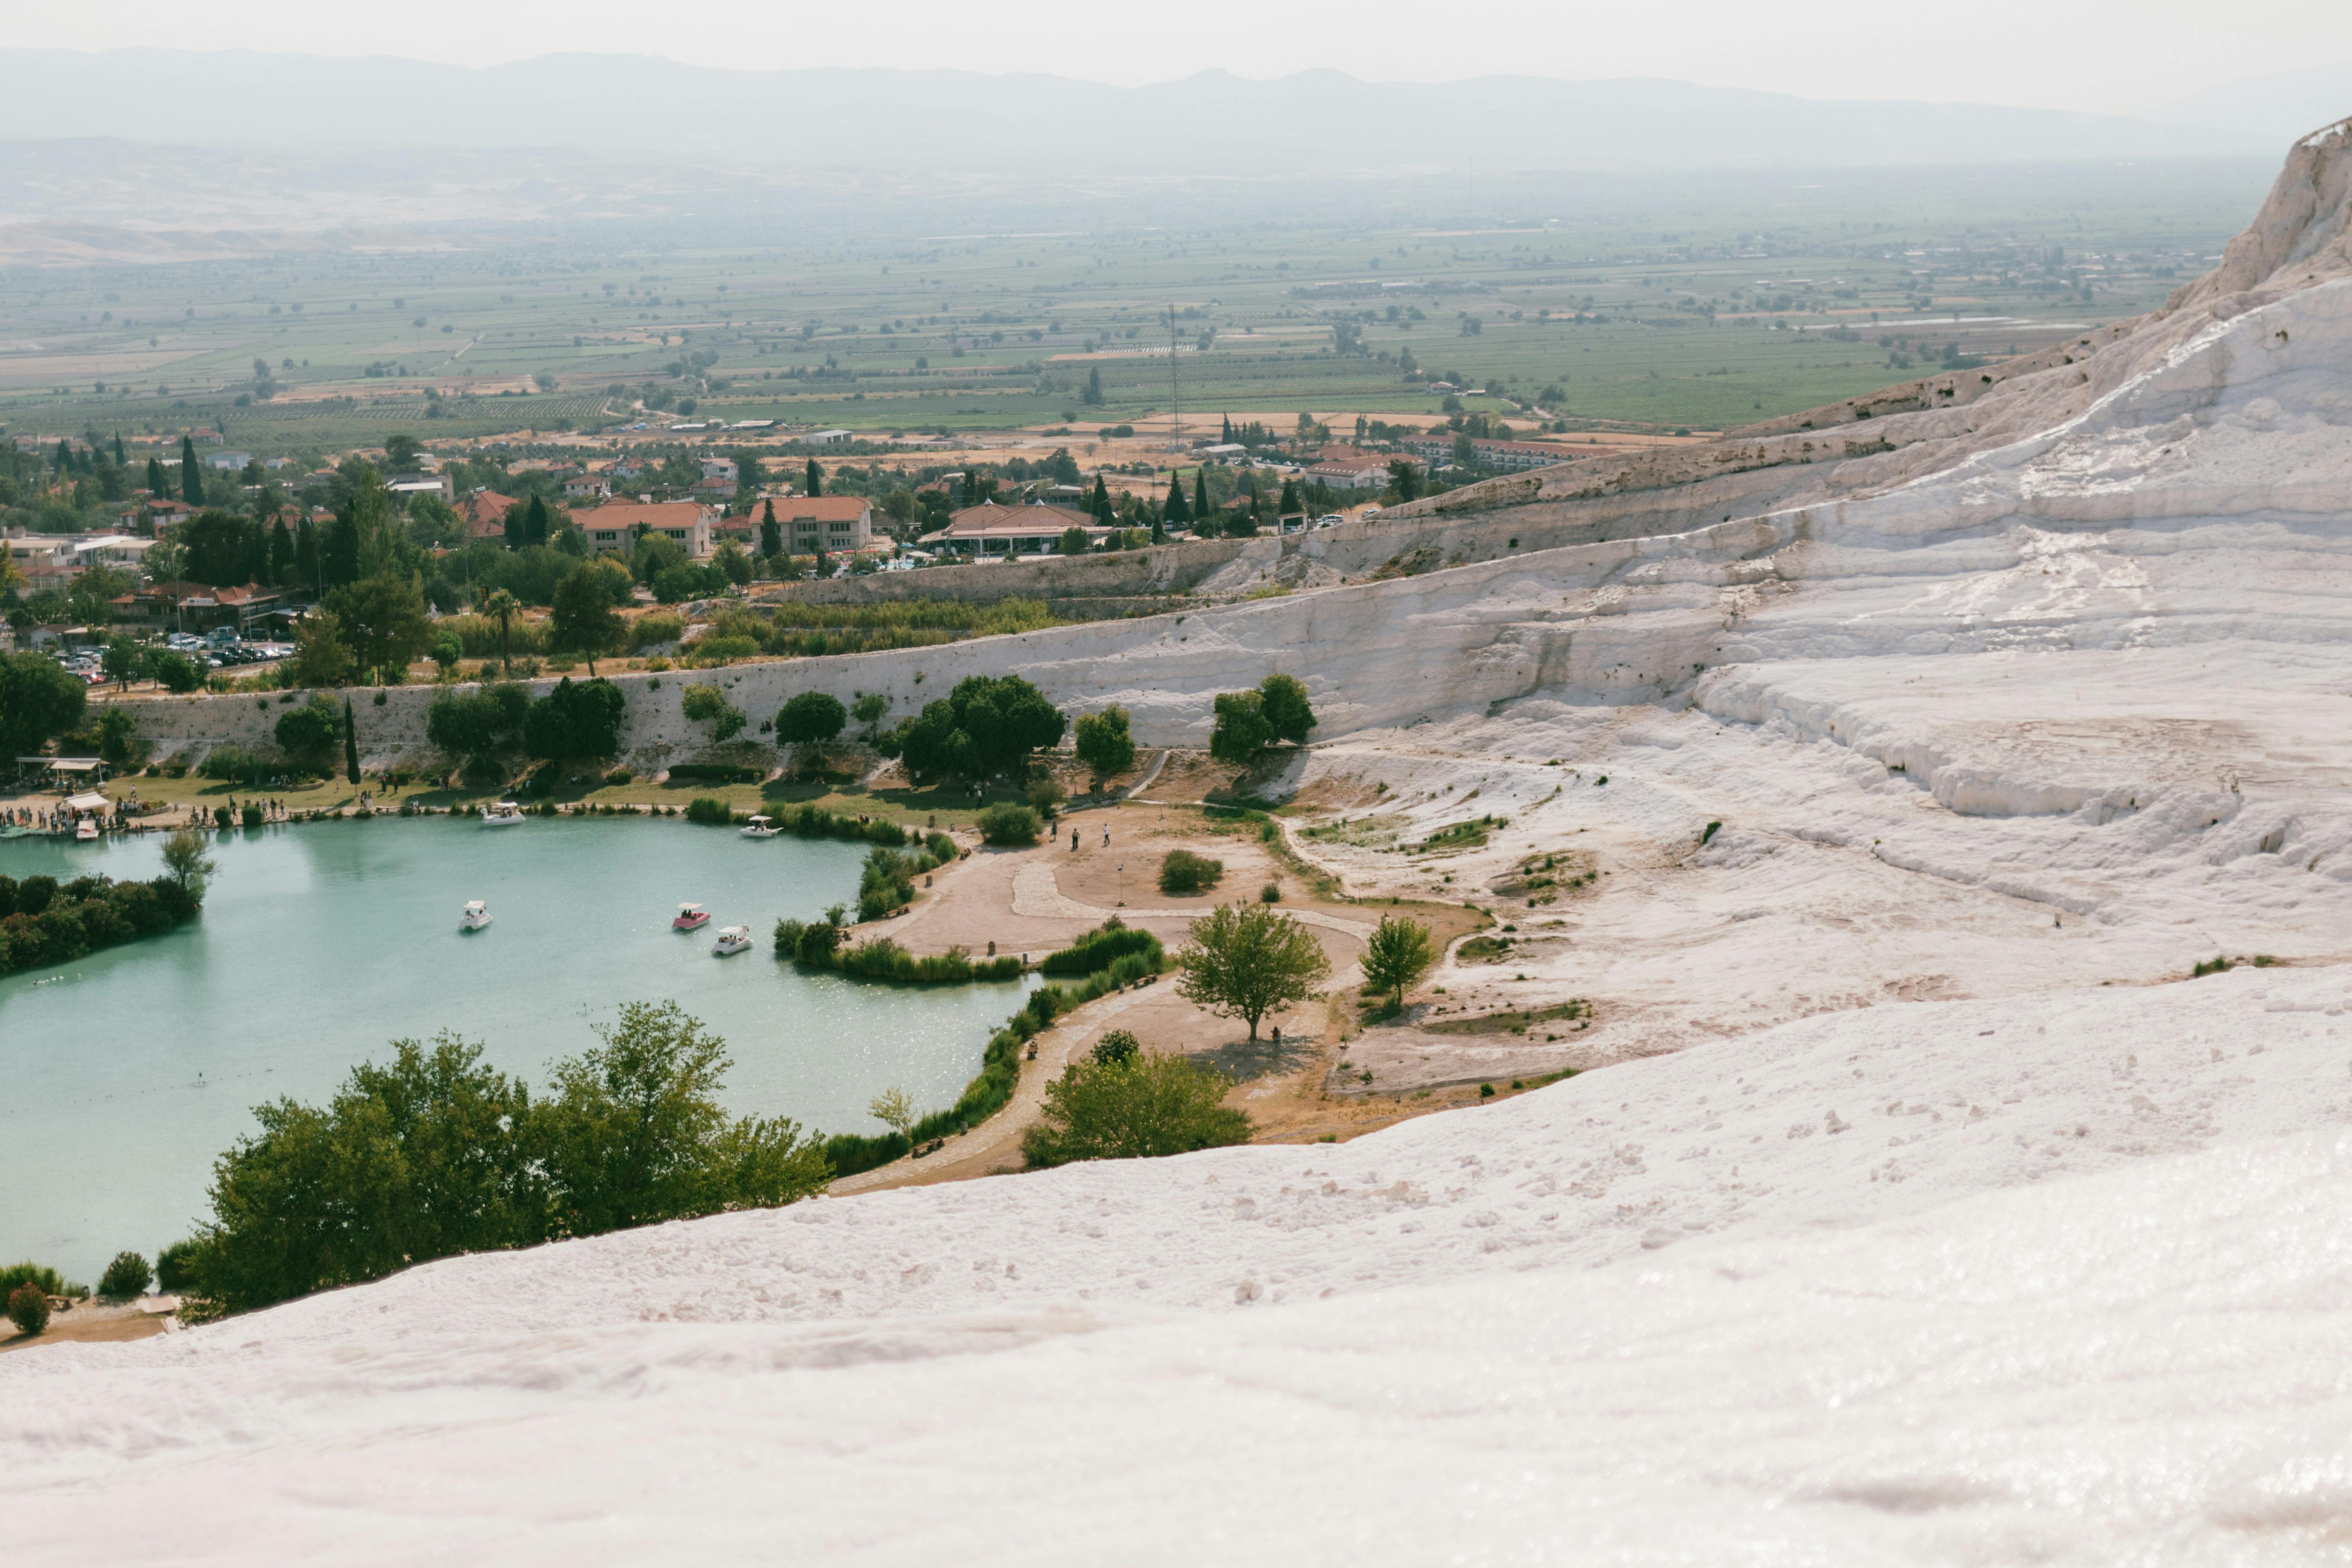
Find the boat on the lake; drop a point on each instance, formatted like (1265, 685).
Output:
(732, 939)
(502, 813)
(689, 917)
(86, 829)
(477, 916)
(762, 827)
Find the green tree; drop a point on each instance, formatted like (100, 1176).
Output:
(117, 739)
(634, 1132)
(38, 700)
(1100, 504)
(124, 661)
(1104, 744)
(309, 564)
(400, 452)
(576, 720)
(870, 709)
(185, 864)
(310, 735)
(1286, 708)
(28, 1308)
(1404, 478)
(987, 725)
(1093, 394)
(1201, 494)
(1246, 960)
(125, 1277)
(1133, 1107)
(1175, 512)
(583, 620)
(502, 607)
(812, 717)
(1008, 826)
(705, 704)
(1075, 540)
(383, 622)
(157, 485)
(815, 479)
(447, 651)
(772, 533)
(893, 1110)
(1242, 732)
(469, 726)
(350, 742)
(191, 476)
(176, 672)
(220, 548)
(321, 657)
(1396, 956)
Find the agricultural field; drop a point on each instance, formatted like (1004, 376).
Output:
(1697, 302)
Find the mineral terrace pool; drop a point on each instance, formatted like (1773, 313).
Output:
(123, 1074)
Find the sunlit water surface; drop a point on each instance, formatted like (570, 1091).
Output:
(123, 1074)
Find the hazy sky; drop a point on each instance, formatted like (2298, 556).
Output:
(2115, 56)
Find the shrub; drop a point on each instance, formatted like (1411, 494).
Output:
(648, 631)
(125, 1277)
(1008, 826)
(712, 812)
(1270, 894)
(942, 848)
(1185, 872)
(48, 1280)
(1115, 1047)
(28, 1308)
(1143, 1107)
(232, 763)
(1099, 948)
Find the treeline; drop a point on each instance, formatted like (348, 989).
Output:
(45, 921)
(435, 1153)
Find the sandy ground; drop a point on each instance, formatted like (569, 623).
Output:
(89, 1323)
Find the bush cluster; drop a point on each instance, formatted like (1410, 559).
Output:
(1099, 948)
(125, 1277)
(1008, 826)
(1185, 872)
(1133, 1106)
(45, 923)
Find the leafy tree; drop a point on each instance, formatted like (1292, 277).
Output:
(1075, 540)
(1397, 954)
(893, 1110)
(1182, 871)
(1404, 478)
(117, 739)
(1136, 1107)
(576, 720)
(534, 525)
(309, 564)
(1246, 960)
(310, 734)
(634, 1132)
(124, 661)
(1285, 706)
(1093, 394)
(812, 717)
(583, 620)
(502, 607)
(321, 657)
(174, 671)
(125, 1277)
(1242, 732)
(383, 621)
(988, 724)
(38, 700)
(654, 553)
(1289, 504)
(472, 725)
(400, 452)
(186, 866)
(447, 651)
(220, 548)
(281, 555)
(1116, 1047)
(870, 709)
(1104, 744)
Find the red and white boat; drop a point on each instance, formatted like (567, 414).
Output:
(690, 917)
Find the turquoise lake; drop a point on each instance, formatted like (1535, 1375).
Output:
(123, 1074)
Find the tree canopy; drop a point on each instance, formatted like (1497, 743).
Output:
(38, 700)
(988, 724)
(583, 620)
(1397, 954)
(810, 717)
(382, 621)
(1246, 960)
(1104, 744)
(576, 720)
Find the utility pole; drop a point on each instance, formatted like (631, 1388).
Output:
(1175, 397)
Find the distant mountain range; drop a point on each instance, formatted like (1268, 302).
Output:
(1321, 122)
(2280, 107)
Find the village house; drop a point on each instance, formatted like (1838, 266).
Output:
(196, 607)
(1365, 471)
(612, 529)
(995, 529)
(485, 513)
(831, 525)
(1437, 447)
(585, 487)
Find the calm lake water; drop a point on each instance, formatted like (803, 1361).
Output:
(125, 1073)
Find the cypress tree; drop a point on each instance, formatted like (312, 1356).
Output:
(1093, 396)
(63, 459)
(1289, 502)
(1201, 494)
(282, 554)
(191, 476)
(156, 486)
(351, 744)
(121, 461)
(772, 533)
(1101, 507)
(815, 479)
(1175, 511)
(1228, 437)
(306, 558)
(535, 522)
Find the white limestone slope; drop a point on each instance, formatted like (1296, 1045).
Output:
(1924, 1211)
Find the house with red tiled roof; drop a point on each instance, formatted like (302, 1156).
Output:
(993, 528)
(612, 529)
(833, 525)
(485, 513)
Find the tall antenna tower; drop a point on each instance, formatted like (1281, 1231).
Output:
(1175, 396)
